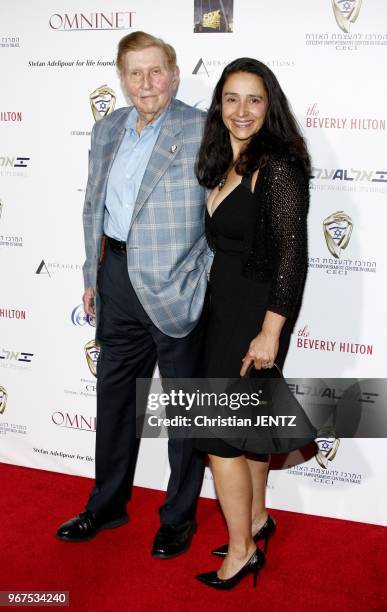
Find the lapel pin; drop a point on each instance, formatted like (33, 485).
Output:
(173, 148)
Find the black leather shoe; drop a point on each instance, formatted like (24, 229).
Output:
(253, 565)
(172, 540)
(87, 524)
(264, 533)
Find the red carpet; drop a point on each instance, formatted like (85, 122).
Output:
(312, 562)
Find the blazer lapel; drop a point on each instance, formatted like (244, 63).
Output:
(167, 146)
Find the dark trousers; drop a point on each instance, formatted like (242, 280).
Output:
(130, 347)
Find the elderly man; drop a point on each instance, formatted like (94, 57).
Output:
(143, 221)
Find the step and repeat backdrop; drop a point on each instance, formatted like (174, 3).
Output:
(58, 77)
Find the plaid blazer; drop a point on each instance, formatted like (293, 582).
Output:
(167, 254)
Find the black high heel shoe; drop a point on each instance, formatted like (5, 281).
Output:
(253, 565)
(264, 533)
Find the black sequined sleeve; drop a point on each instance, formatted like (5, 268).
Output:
(287, 207)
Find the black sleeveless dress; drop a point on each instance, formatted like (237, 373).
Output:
(237, 304)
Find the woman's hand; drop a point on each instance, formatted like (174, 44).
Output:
(264, 348)
(262, 351)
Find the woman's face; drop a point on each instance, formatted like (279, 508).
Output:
(244, 106)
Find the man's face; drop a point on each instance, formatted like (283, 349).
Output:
(149, 81)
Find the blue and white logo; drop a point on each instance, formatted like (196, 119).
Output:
(346, 12)
(80, 318)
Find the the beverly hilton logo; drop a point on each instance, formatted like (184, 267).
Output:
(92, 353)
(337, 232)
(316, 120)
(306, 340)
(346, 12)
(102, 101)
(13, 116)
(3, 399)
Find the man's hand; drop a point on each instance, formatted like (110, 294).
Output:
(88, 301)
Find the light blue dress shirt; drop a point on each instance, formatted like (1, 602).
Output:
(126, 174)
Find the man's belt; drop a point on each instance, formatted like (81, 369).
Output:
(116, 245)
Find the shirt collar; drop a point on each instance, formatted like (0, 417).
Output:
(132, 121)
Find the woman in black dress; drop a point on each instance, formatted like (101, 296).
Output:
(255, 160)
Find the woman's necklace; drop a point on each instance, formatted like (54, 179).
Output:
(224, 178)
(222, 181)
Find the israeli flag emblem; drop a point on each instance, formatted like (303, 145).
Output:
(346, 12)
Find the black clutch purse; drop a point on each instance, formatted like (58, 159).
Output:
(279, 423)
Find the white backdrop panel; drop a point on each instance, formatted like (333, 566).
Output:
(336, 87)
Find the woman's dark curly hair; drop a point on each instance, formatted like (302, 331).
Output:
(279, 134)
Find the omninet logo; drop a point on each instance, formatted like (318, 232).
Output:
(74, 421)
(118, 20)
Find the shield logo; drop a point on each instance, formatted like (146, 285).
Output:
(327, 450)
(3, 399)
(102, 101)
(92, 353)
(337, 232)
(346, 12)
